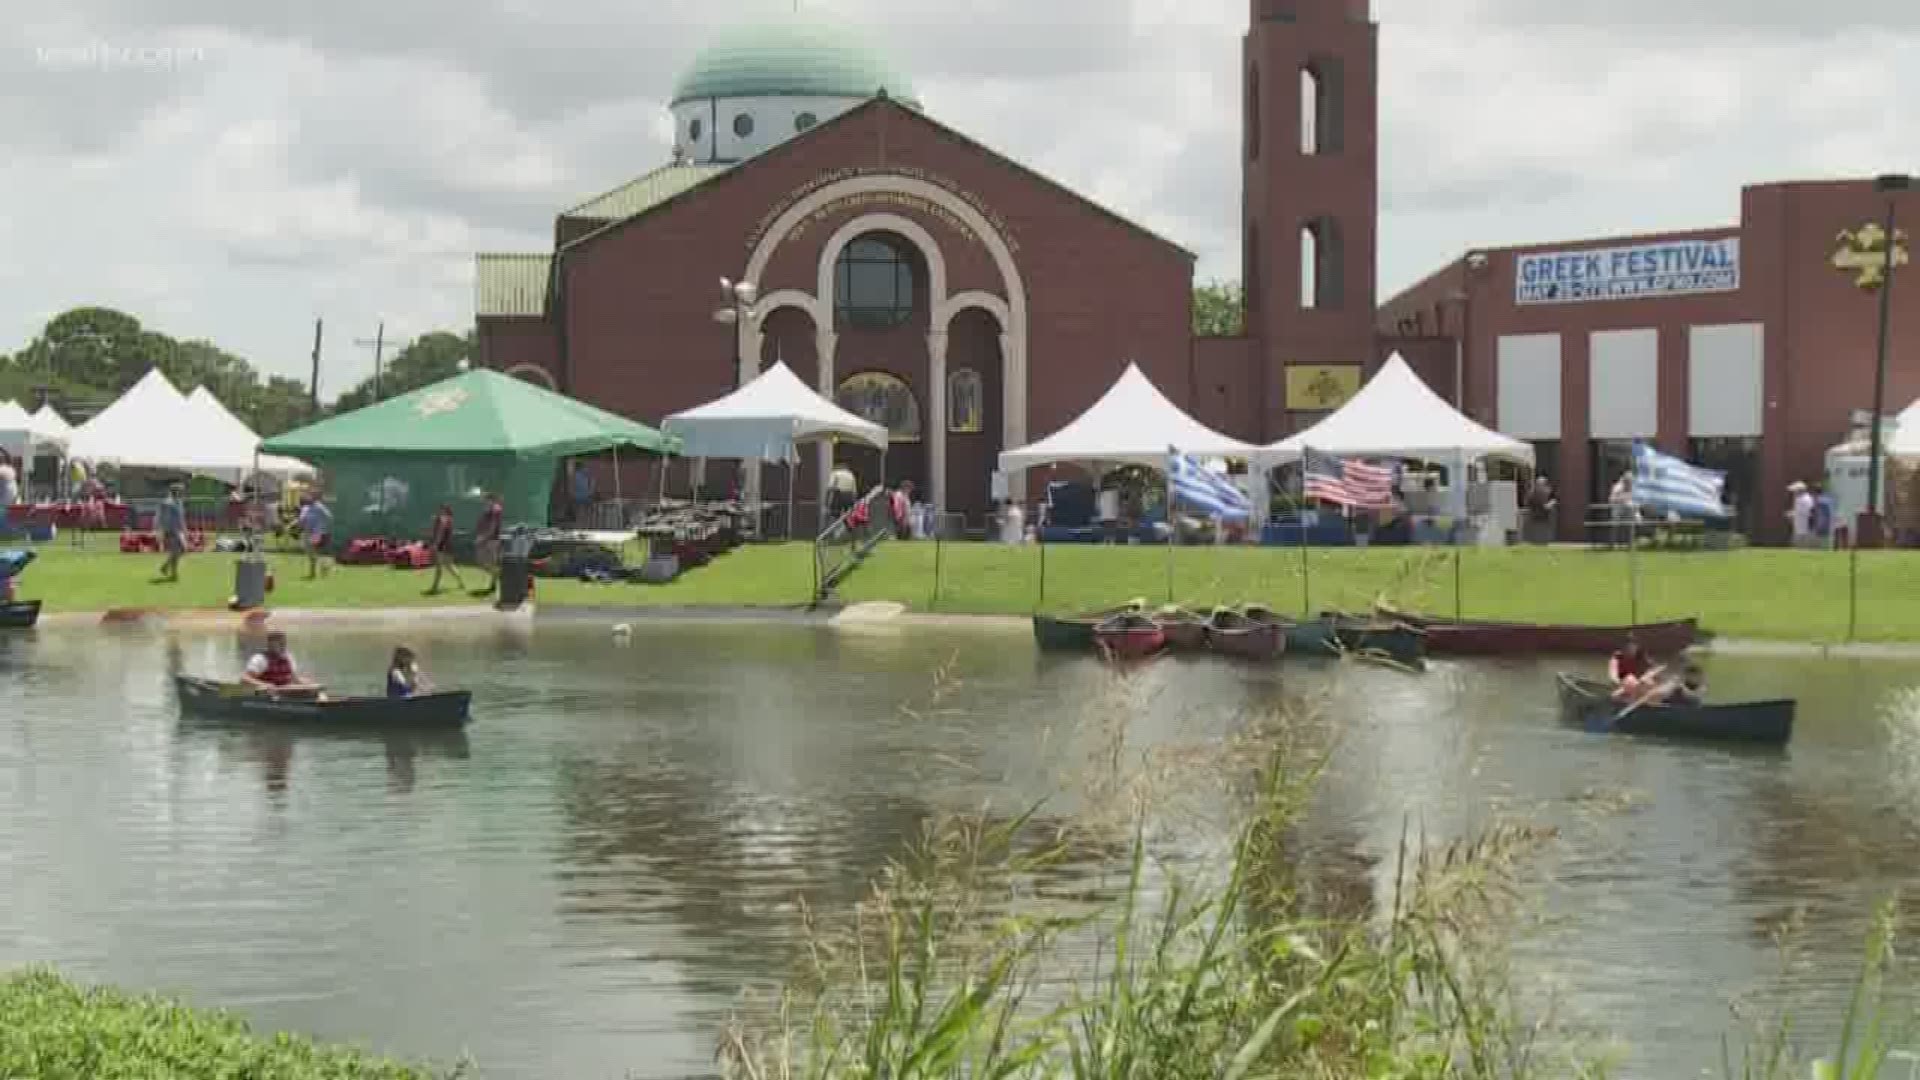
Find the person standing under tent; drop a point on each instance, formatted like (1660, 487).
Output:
(582, 493)
(440, 543)
(171, 523)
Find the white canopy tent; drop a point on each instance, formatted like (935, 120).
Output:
(220, 420)
(1133, 423)
(55, 426)
(152, 426)
(19, 435)
(1397, 415)
(765, 419)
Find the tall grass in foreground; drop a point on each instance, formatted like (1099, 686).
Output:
(956, 967)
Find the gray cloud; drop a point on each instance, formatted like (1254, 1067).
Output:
(345, 159)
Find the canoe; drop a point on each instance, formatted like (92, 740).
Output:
(1074, 634)
(234, 702)
(1450, 637)
(1311, 638)
(1589, 703)
(1235, 633)
(1129, 636)
(1396, 643)
(19, 615)
(1184, 629)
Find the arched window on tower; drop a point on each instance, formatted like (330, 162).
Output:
(1251, 113)
(1321, 265)
(1321, 108)
(966, 402)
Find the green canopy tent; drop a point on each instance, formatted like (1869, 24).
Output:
(392, 464)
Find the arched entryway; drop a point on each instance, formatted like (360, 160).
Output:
(884, 398)
(974, 403)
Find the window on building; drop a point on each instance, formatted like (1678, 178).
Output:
(1252, 113)
(873, 284)
(804, 121)
(1739, 458)
(966, 402)
(1322, 266)
(743, 125)
(884, 399)
(696, 129)
(1609, 460)
(1320, 107)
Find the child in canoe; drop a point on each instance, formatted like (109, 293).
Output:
(404, 678)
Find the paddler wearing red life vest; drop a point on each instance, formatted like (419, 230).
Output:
(1630, 669)
(273, 669)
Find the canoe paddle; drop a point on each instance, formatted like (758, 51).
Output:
(1657, 691)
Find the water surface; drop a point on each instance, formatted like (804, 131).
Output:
(581, 884)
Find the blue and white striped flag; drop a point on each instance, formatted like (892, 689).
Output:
(1665, 484)
(1192, 483)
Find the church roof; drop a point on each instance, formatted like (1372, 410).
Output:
(510, 284)
(643, 193)
(792, 56)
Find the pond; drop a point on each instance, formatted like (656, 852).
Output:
(582, 882)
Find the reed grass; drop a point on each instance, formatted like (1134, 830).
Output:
(956, 965)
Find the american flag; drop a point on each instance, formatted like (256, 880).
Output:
(1348, 483)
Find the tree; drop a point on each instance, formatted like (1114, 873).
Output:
(1219, 309)
(427, 359)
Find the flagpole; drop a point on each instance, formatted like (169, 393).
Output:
(1633, 544)
(1170, 531)
(1306, 586)
(1460, 480)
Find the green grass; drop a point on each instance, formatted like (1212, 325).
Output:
(51, 1029)
(1771, 594)
(1757, 593)
(98, 577)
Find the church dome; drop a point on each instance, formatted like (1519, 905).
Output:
(793, 57)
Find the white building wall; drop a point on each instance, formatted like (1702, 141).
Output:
(705, 131)
(1529, 386)
(1624, 397)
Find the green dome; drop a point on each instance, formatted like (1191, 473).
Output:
(792, 57)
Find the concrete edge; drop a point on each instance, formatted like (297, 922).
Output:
(878, 616)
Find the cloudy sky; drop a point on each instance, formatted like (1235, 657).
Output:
(231, 169)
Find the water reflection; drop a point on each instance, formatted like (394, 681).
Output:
(581, 883)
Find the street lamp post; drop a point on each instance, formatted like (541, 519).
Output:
(739, 298)
(1888, 186)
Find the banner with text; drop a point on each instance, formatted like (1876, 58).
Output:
(1672, 268)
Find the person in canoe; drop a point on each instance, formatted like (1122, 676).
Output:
(273, 670)
(404, 678)
(1630, 669)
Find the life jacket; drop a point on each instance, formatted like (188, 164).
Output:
(1625, 665)
(279, 670)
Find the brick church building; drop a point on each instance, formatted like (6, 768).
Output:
(973, 305)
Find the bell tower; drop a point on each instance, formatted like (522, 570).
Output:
(1309, 192)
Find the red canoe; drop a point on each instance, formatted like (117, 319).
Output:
(1129, 637)
(1447, 637)
(1234, 633)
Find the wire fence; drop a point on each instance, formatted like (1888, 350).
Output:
(1831, 595)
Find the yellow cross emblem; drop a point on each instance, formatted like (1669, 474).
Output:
(1863, 252)
(440, 401)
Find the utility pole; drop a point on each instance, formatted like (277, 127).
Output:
(313, 390)
(379, 354)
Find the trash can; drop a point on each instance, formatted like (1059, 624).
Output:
(249, 582)
(516, 568)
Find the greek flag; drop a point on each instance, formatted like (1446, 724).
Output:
(1191, 483)
(1664, 484)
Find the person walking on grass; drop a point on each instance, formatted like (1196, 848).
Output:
(316, 526)
(486, 543)
(171, 523)
(440, 542)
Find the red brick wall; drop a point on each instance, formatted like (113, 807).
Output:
(1224, 374)
(639, 300)
(509, 342)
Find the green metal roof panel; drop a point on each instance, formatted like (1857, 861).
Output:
(510, 284)
(480, 412)
(644, 193)
(795, 56)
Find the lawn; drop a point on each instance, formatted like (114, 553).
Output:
(98, 577)
(55, 1030)
(1758, 593)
